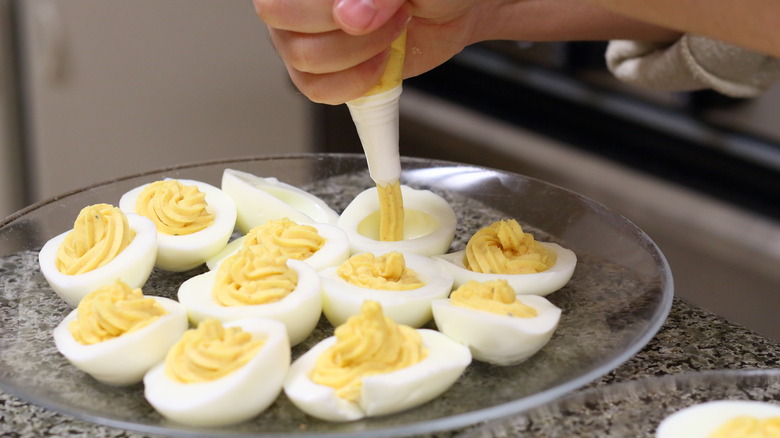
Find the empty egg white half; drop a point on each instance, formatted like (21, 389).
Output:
(702, 420)
(133, 265)
(299, 311)
(498, 339)
(540, 283)
(233, 398)
(383, 393)
(429, 223)
(342, 299)
(185, 252)
(125, 359)
(260, 200)
(334, 252)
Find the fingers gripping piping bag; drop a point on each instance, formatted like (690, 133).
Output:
(376, 118)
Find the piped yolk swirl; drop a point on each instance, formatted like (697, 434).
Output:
(252, 276)
(112, 311)
(749, 427)
(210, 352)
(99, 234)
(285, 239)
(387, 272)
(503, 248)
(369, 343)
(491, 296)
(175, 209)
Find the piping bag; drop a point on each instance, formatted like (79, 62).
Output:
(376, 117)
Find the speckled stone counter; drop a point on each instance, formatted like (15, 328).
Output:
(606, 306)
(690, 340)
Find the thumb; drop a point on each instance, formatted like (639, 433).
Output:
(358, 17)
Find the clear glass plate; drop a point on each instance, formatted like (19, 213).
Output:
(636, 408)
(619, 296)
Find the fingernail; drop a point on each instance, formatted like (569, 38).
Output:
(357, 14)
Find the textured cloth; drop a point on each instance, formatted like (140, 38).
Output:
(693, 63)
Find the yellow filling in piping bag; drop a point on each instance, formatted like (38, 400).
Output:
(376, 118)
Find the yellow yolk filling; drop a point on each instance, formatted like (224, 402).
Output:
(112, 311)
(749, 427)
(210, 352)
(503, 248)
(416, 223)
(368, 344)
(391, 212)
(99, 234)
(491, 296)
(285, 239)
(387, 272)
(391, 206)
(252, 277)
(174, 208)
(393, 74)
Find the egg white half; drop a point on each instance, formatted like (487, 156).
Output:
(182, 253)
(334, 252)
(498, 339)
(260, 200)
(540, 283)
(384, 393)
(133, 265)
(435, 242)
(299, 311)
(233, 398)
(341, 299)
(125, 359)
(702, 420)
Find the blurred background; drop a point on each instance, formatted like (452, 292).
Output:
(95, 89)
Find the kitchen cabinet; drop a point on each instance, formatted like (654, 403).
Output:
(11, 188)
(116, 87)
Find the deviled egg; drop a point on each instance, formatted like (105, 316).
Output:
(404, 284)
(218, 375)
(428, 229)
(116, 334)
(723, 419)
(250, 284)
(373, 366)
(504, 251)
(104, 245)
(194, 220)
(319, 245)
(260, 200)
(498, 327)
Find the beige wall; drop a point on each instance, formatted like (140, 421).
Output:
(11, 190)
(119, 87)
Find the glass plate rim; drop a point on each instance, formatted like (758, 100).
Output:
(420, 427)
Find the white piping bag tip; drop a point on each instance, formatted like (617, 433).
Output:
(376, 119)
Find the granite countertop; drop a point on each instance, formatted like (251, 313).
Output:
(691, 340)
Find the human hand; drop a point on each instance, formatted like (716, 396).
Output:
(335, 50)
